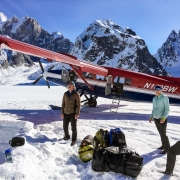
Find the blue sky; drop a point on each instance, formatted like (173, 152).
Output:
(153, 20)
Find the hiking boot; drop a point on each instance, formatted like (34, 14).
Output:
(168, 173)
(73, 143)
(163, 152)
(66, 138)
(161, 148)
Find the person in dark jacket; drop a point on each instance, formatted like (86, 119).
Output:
(71, 104)
(160, 113)
(171, 158)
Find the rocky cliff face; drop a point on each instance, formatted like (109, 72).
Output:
(28, 30)
(169, 54)
(106, 43)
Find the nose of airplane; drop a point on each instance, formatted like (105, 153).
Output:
(44, 75)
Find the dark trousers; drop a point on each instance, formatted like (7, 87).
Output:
(161, 127)
(171, 156)
(67, 119)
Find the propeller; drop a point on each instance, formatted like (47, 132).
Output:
(42, 69)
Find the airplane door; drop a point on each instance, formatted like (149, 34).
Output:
(65, 75)
(118, 85)
(108, 85)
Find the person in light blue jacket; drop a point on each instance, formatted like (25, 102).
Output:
(160, 113)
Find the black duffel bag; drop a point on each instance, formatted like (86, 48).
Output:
(133, 165)
(119, 160)
(17, 141)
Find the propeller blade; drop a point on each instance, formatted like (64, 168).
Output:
(51, 68)
(37, 80)
(41, 66)
(48, 84)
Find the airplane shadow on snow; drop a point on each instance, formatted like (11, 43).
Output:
(2, 158)
(101, 112)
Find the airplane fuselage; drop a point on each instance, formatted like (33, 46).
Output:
(126, 91)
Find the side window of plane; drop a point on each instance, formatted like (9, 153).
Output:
(73, 76)
(128, 81)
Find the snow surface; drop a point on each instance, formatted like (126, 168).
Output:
(25, 111)
(18, 75)
(23, 75)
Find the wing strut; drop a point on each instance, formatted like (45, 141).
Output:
(79, 72)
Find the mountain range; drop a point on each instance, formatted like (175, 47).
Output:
(103, 42)
(28, 30)
(169, 54)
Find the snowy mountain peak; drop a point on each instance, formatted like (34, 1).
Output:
(106, 27)
(107, 23)
(3, 18)
(104, 42)
(16, 23)
(169, 54)
(172, 36)
(57, 35)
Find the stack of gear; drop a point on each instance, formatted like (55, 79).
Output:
(111, 154)
(108, 151)
(86, 149)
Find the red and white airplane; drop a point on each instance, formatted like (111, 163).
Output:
(94, 81)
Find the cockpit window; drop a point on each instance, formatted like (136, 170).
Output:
(119, 79)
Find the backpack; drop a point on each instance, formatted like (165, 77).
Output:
(117, 138)
(118, 160)
(86, 149)
(17, 141)
(101, 138)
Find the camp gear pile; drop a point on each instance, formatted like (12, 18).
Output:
(110, 154)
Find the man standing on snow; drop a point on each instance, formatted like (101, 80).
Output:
(71, 104)
(160, 113)
(171, 158)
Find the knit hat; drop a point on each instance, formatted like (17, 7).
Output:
(71, 82)
(158, 88)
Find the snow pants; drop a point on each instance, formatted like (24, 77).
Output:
(161, 127)
(171, 156)
(67, 119)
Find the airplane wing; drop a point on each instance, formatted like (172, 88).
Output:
(14, 45)
(77, 65)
